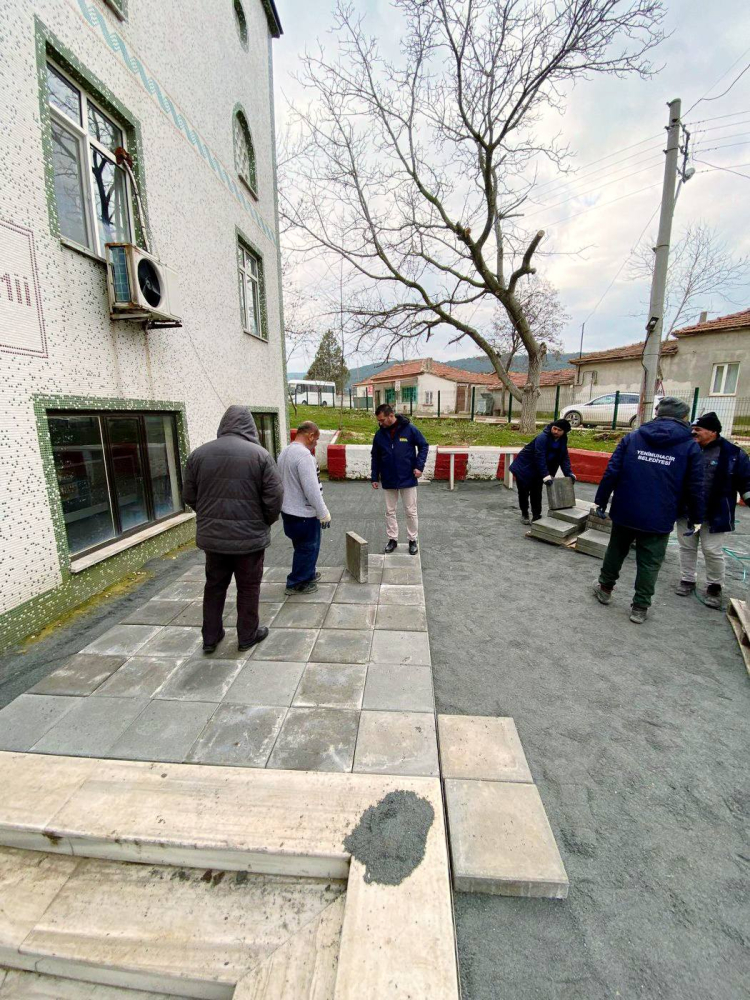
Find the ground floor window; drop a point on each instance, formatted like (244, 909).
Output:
(428, 399)
(724, 380)
(116, 472)
(390, 396)
(267, 424)
(409, 394)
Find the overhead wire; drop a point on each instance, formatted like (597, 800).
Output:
(717, 82)
(727, 170)
(600, 187)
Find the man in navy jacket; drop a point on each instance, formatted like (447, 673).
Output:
(654, 473)
(399, 453)
(537, 463)
(727, 473)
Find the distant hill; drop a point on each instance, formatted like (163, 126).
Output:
(520, 363)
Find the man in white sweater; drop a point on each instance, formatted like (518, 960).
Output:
(303, 511)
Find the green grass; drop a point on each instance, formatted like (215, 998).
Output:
(358, 427)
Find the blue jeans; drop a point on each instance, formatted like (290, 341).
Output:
(304, 533)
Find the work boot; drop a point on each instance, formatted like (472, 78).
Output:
(413, 547)
(525, 519)
(685, 588)
(317, 576)
(260, 635)
(638, 614)
(302, 588)
(713, 596)
(602, 594)
(392, 543)
(536, 517)
(210, 647)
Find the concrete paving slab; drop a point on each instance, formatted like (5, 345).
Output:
(228, 648)
(402, 595)
(481, 747)
(238, 735)
(139, 677)
(395, 688)
(273, 593)
(172, 640)
(91, 727)
(357, 593)
(342, 646)
(22, 985)
(323, 595)
(330, 574)
(29, 882)
(400, 647)
(80, 675)
(192, 616)
(287, 644)
(357, 616)
(401, 558)
(374, 576)
(331, 685)
(316, 739)
(276, 574)
(195, 572)
(301, 615)
(267, 613)
(501, 841)
(122, 640)
(182, 590)
(593, 543)
(165, 731)
(394, 618)
(156, 613)
(200, 679)
(552, 527)
(397, 743)
(376, 561)
(401, 575)
(356, 556)
(265, 682)
(574, 515)
(26, 720)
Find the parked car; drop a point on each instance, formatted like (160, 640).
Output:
(602, 410)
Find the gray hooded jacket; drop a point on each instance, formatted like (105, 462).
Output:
(234, 487)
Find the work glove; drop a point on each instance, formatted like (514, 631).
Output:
(600, 512)
(325, 522)
(571, 476)
(693, 529)
(547, 480)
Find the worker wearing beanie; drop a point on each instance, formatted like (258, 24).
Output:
(654, 473)
(726, 471)
(537, 463)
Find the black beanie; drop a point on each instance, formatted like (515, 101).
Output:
(709, 422)
(562, 423)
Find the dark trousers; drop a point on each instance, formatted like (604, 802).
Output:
(649, 555)
(530, 491)
(304, 533)
(247, 570)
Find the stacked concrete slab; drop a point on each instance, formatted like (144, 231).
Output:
(553, 529)
(592, 543)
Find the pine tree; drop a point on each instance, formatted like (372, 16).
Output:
(329, 364)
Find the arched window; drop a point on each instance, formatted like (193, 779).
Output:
(239, 16)
(244, 154)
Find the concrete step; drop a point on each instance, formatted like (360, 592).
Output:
(16, 984)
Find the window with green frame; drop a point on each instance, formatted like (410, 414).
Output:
(390, 396)
(409, 394)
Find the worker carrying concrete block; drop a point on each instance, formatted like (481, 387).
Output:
(537, 463)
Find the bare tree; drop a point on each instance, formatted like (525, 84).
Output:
(701, 267)
(414, 171)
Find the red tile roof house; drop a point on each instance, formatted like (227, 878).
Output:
(413, 386)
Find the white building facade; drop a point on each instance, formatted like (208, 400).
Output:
(105, 104)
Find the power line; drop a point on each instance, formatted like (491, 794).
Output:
(725, 73)
(727, 170)
(715, 128)
(601, 159)
(604, 204)
(729, 145)
(601, 171)
(591, 190)
(716, 118)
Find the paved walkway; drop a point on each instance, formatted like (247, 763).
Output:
(343, 682)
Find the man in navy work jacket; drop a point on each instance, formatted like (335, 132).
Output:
(653, 472)
(537, 463)
(399, 453)
(726, 473)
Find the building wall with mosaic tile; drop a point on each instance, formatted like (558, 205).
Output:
(170, 76)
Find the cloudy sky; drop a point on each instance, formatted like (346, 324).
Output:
(615, 128)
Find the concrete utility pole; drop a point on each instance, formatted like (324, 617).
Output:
(652, 347)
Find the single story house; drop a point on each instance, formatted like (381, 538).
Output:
(413, 386)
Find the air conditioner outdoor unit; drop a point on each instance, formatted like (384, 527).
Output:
(140, 287)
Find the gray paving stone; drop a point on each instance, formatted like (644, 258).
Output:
(267, 613)
(361, 616)
(265, 682)
(122, 640)
(402, 575)
(376, 561)
(238, 735)
(501, 841)
(204, 679)
(156, 613)
(357, 593)
(139, 677)
(227, 649)
(276, 574)
(342, 646)
(356, 556)
(288, 644)
(392, 687)
(273, 593)
(330, 574)
(172, 640)
(552, 527)
(409, 618)
(374, 576)
(192, 616)
(182, 590)
(331, 685)
(400, 647)
(316, 739)
(91, 727)
(80, 675)
(397, 743)
(401, 558)
(306, 615)
(166, 730)
(323, 595)
(195, 572)
(481, 747)
(25, 721)
(402, 595)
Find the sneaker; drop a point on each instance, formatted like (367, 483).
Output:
(413, 547)
(713, 596)
(303, 588)
(525, 519)
(392, 543)
(685, 588)
(260, 635)
(638, 614)
(317, 576)
(602, 595)
(210, 647)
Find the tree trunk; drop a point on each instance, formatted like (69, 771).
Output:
(530, 395)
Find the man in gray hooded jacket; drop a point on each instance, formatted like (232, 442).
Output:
(234, 487)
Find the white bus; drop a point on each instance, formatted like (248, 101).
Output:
(312, 393)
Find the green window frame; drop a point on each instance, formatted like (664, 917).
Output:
(241, 22)
(251, 282)
(244, 151)
(390, 396)
(409, 393)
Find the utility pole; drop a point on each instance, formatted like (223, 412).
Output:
(580, 351)
(652, 347)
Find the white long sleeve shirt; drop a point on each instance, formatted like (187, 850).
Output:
(303, 494)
